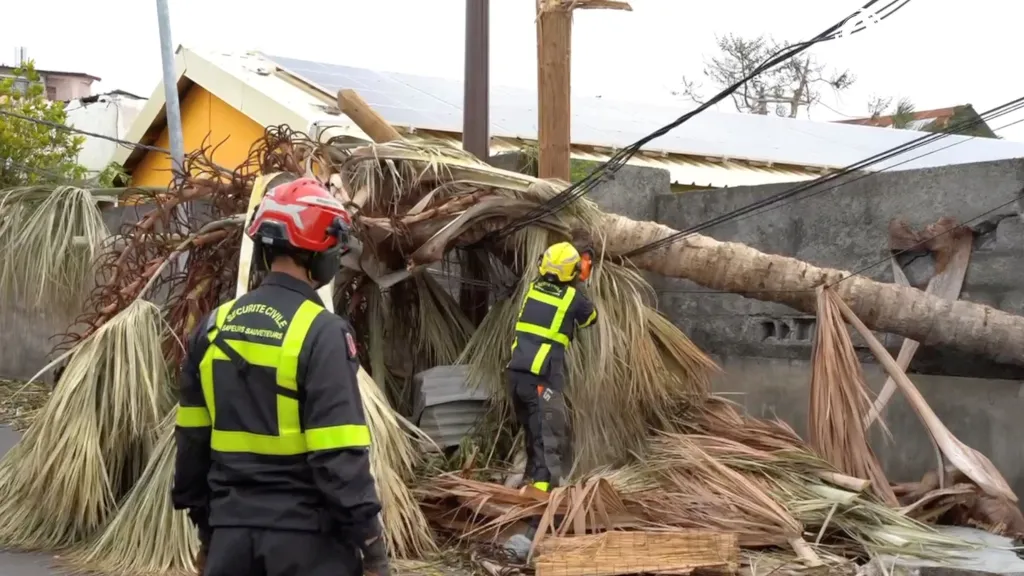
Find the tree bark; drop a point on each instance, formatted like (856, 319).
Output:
(740, 269)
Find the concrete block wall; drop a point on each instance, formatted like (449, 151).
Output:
(847, 228)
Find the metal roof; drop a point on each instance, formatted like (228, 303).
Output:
(683, 170)
(436, 104)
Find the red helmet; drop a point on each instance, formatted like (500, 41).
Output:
(302, 215)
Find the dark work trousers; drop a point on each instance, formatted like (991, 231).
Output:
(541, 411)
(261, 552)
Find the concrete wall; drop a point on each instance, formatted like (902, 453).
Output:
(29, 334)
(847, 228)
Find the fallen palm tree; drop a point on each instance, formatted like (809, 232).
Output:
(418, 205)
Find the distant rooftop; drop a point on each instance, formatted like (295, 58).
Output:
(937, 119)
(8, 68)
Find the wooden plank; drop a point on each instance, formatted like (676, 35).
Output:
(554, 54)
(636, 552)
(378, 129)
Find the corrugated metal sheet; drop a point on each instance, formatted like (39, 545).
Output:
(448, 424)
(436, 104)
(683, 170)
(446, 408)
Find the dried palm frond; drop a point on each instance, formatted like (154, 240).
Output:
(795, 479)
(839, 403)
(972, 463)
(92, 440)
(442, 330)
(627, 374)
(146, 536)
(702, 487)
(51, 237)
(393, 458)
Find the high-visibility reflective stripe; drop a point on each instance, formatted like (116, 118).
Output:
(290, 440)
(543, 332)
(289, 420)
(263, 444)
(206, 364)
(335, 437)
(542, 486)
(330, 438)
(561, 305)
(590, 319)
(539, 357)
(193, 417)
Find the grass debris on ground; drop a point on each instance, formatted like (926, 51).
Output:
(21, 402)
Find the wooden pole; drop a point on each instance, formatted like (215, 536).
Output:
(554, 52)
(353, 106)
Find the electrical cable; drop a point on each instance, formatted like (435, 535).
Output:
(1017, 197)
(863, 176)
(619, 159)
(923, 140)
(66, 128)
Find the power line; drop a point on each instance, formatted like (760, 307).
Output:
(864, 175)
(1011, 106)
(858, 272)
(66, 128)
(579, 189)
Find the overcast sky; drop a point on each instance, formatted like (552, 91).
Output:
(938, 53)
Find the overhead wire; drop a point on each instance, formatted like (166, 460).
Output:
(66, 128)
(619, 159)
(923, 140)
(994, 113)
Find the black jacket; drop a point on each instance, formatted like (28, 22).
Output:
(327, 489)
(548, 318)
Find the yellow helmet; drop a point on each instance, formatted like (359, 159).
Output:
(562, 261)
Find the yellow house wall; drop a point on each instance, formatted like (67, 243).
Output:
(203, 116)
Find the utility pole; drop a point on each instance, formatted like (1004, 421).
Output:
(172, 105)
(475, 95)
(554, 71)
(474, 293)
(173, 112)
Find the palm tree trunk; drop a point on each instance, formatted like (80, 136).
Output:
(738, 268)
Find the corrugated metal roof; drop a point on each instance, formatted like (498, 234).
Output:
(683, 170)
(435, 104)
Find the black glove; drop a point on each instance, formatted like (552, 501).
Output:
(201, 519)
(375, 557)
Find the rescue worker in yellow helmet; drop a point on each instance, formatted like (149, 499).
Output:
(552, 309)
(273, 448)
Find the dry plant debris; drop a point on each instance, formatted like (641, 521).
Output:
(20, 402)
(657, 455)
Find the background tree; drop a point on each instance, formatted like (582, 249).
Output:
(784, 89)
(31, 152)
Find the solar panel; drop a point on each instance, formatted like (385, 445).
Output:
(436, 103)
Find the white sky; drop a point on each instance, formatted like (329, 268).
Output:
(936, 52)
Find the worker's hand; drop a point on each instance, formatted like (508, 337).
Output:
(375, 557)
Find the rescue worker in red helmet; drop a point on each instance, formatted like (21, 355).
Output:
(273, 448)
